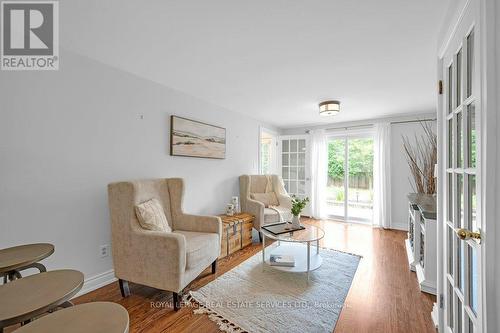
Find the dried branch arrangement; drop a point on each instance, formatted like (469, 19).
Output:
(421, 157)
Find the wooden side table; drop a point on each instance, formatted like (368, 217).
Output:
(18, 258)
(236, 232)
(23, 299)
(96, 317)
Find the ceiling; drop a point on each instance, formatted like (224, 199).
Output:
(272, 60)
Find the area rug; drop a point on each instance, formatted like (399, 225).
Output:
(251, 299)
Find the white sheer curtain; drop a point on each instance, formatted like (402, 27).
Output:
(382, 176)
(319, 155)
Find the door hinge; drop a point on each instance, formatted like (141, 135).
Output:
(441, 301)
(440, 87)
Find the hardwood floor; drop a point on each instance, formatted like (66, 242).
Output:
(384, 296)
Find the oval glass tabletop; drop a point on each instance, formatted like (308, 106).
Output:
(311, 233)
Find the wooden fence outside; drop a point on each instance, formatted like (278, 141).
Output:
(361, 181)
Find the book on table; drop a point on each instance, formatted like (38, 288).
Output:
(282, 260)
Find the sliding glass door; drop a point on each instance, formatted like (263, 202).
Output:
(350, 178)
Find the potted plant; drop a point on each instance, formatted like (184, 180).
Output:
(297, 206)
(421, 154)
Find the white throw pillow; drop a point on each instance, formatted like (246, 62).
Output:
(151, 216)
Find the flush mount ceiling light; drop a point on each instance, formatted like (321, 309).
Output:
(329, 108)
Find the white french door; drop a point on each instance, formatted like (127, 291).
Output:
(294, 166)
(462, 271)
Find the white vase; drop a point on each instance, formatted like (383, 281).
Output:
(236, 203)
(296, 221)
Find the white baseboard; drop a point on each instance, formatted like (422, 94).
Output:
(425, 285)
(97, 281)
(397, 226)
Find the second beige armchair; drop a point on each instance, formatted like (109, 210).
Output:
(257, 192)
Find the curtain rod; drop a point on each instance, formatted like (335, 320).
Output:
(412, 121)
(370, 125)
(348, 127)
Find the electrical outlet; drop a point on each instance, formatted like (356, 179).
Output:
(104, 250)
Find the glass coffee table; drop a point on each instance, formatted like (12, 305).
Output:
(296, 244)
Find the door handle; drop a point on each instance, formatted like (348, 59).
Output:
(465, 234)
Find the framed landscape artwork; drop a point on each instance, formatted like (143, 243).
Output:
(196, 139)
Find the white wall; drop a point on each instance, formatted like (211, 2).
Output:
(64, 135)
(400, 172)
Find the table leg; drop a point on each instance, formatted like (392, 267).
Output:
(66, 304)
(308, 259)
(38, 266)
(317, 246)
(263, 251)
(11, 276)
(15, 274)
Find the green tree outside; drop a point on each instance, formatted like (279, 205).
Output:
(360, 158)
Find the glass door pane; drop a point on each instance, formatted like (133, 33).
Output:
(293, 168)
(450, 91)
(473, 279)
(335, 191)
(285, 163)
(360, 168)
(449, 306)
(458, 93)
(471, 136)
(301, 169)
(470, 63)
(460, 152)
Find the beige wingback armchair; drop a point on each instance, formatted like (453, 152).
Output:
(253, 185)
(163, 260)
